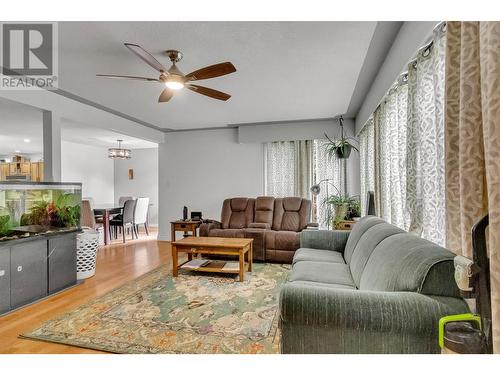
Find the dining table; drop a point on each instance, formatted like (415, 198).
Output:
(106, 210)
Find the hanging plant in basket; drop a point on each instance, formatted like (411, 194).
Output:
(342, 147)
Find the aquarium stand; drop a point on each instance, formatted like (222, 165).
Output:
(36, 267)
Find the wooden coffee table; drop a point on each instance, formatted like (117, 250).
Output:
(214, 246)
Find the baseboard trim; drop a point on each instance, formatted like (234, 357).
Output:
(163, 237)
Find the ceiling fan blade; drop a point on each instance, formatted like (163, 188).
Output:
(211, 71)
(209, 92)
(128, 77)
(145, 56)
(165, 95)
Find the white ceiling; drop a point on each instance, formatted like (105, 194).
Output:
(19, 122)
(286, 70)
(72, 131)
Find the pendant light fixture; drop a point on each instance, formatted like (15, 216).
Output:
(119, 153)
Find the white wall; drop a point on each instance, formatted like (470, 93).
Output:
(200, 169)
(291, 131)
(91, 166)
(144, 162)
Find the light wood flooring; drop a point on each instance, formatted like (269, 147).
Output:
(116, 264)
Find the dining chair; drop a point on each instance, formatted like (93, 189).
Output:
(141, 214)
(122, 200)
(99, 218)
(89, 220)
(126, 221)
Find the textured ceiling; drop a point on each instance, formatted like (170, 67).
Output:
(286, 70)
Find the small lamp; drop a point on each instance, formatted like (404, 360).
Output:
(316, 189)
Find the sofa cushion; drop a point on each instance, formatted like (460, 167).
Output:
(367, 244)
(237, 213)
(291, 214)
(324, 239)
(227, 233)
(321, 272)
(357, 231)
(405, 262)
(283, 240)
(264, 210)
(316, 255)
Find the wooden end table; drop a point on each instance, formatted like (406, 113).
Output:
(214, 246)
(184, 226)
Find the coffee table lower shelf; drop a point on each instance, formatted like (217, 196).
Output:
(212, 266)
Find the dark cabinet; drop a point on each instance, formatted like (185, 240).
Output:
(28, 268)
(62, 262)
(4, 279)
(34, 268)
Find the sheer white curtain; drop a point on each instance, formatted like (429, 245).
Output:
(425, 146)
(408, 147)
(288, 168)
(367, 161)
(292, 167)
(324, 168)
(390, 137)
(280, 166)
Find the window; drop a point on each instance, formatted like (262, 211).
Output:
(403, 144)
(292, 167)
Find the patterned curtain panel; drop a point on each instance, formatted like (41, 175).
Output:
(324, 168)
(390, 137)
(303, 168)
(408, 147)
(289, 168)
(367, 161)
(472, 147)
(280, 169)
(425, 185)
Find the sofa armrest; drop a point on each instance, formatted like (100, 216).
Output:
(205, 228)
(324, 239)
(259, 226)
(321, 319)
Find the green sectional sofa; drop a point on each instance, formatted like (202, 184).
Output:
(376, 289)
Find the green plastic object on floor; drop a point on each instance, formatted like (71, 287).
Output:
(456, 318)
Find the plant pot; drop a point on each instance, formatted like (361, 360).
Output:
(344, 151)
(340, 211)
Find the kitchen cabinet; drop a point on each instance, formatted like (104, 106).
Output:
(25, 167)
(32, 169)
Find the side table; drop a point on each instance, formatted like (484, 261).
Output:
(188, 227)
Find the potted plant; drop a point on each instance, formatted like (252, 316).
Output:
(340, 204)
(342, 147)
(354, 208)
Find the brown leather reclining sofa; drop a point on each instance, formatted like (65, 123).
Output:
(274, 224)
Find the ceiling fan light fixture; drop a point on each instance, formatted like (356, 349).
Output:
(174, 82)
(174, 85)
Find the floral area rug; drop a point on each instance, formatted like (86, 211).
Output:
(193, 313)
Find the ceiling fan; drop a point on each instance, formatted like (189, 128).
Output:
(174, 79)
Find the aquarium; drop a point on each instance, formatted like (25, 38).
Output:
(35, 208)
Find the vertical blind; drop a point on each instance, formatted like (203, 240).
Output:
(403, 144)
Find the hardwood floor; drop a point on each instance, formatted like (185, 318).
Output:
(116, 264)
